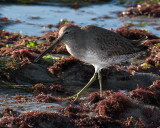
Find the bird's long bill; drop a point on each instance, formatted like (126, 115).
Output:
(48, 50)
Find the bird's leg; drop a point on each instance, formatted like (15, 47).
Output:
(100, 83)
(75, 97)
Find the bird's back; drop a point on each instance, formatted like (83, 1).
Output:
(112, 43)
(104, 47)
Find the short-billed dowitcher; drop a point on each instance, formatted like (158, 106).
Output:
(97, 46)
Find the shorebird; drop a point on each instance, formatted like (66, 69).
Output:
(96, 46)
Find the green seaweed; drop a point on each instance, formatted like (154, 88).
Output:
(142, 1)
(33, 44)
(157, 64)
(23, 42)
(20, 86)
(65, 20)
(48, 58)
(142, 24)
(145, 66)
(157, 45)
(145, 30)
(6, 37)
(9, 45)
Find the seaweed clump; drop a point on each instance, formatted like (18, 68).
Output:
(39, 88)
(152, 63)
(57, 89)
(54, 89)
(5, 20)
(93, 99)
(82, 119)
(49, 94)
(134, 34)
(62, 64)
(149, 95)
(14, 54)
(43, 119)
(20, 99)
(116, 103)
(9, 112)
(149, 9)
(47, 98)
(37, 119)
(112, 105)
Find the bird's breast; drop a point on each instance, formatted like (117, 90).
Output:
(68, 49)
(73, 50)
(76, 51)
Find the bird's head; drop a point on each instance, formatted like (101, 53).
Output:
(66, 35)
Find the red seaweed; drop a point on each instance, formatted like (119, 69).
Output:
(146, 95)
(62, 64)
(47, 98)
(147, 8)
(114, 105)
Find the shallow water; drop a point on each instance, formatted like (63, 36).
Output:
(45, 15)
(53, 14)
(28, 105)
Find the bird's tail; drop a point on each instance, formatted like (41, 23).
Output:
(141, 41)
(139, 44)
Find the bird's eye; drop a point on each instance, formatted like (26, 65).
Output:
(66, 32)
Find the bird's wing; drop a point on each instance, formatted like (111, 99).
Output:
(111, 42)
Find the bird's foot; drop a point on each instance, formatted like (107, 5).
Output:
(74, 97)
